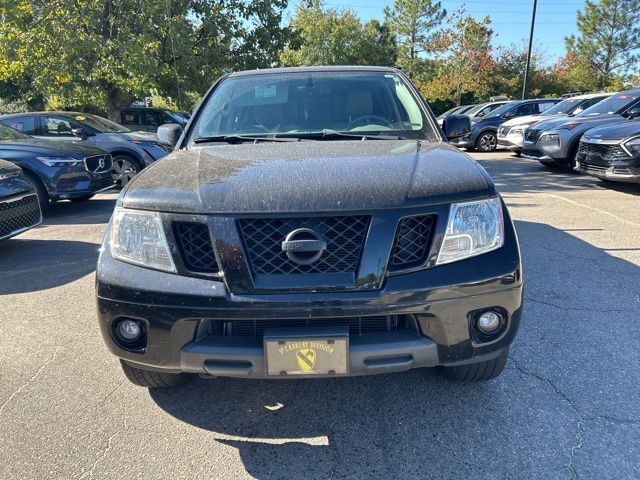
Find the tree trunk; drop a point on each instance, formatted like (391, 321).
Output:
(114, 104)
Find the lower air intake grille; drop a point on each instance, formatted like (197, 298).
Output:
(344, 238)
(18, 214)
(412, 242)
(357, 325)
(194, 243)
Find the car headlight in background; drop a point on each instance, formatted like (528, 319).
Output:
(550, 138)
(59, 161)
(138, 237)
(632, 146)
(474, 228)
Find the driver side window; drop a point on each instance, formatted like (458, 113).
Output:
(57, 126)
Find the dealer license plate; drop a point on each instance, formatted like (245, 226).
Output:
(310, 352)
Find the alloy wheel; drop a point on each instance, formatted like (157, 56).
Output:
(123, 171)
(487, 142)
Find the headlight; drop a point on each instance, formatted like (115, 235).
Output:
(516, 131)
(550, 138)
(138, 237)
(474, 228)
(632, 146)
(59, 161)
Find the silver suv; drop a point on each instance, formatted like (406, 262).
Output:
(555, 142)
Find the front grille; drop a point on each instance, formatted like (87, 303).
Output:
(412, 242)
(98, 163)
(532, 134)
(19, 214)
(357, 325)
(609, 153)
(593, 169)
(196, 249)
(344, 238)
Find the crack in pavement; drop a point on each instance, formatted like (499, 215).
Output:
(39, 371)
(578, 416)
(89, 472)
(581, 419)
(580, 309)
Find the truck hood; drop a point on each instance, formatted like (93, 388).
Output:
(529, 119)
(37, 146)
(617, 131)
(591, 120)
(307, 176)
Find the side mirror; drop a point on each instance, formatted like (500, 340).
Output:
(79, 132)
(455, 126)
(169, 133)
(634, 112)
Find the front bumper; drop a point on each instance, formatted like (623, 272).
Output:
(617, 171)
(439, 302)
(546, 152)
(463, 142)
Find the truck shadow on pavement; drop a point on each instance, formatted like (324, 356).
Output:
(546, 412)
(33, 265)
(90, 212)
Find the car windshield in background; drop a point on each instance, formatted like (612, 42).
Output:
(102, 125)
(564, 106)
(312, 105)
(504, 108)
(611, 105)
(7, 133)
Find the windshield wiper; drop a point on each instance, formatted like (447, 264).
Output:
(242, 138)
(333, 134)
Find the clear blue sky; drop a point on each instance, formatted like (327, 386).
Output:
(511, 20)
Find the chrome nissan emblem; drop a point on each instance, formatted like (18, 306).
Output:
(304, 246)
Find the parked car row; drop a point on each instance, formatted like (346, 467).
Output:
(596, 134)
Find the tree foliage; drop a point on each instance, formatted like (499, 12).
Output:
(414, 23)
(327, 36)
(110, 51)
(463, 53)
(609, 37)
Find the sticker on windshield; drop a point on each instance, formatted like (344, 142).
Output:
(265, 91)
(80, 118)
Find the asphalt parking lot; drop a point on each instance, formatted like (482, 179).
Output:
(567, 405)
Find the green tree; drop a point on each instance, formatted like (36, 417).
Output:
(414, 23)
(609, 37)
(326, 36)
(464, 53)
(108, 52)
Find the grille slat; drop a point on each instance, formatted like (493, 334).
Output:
(194, 243)
(412, 242)
(344, 236)
(357, 325)
(608, 153)
(18, 214)
(532, 134)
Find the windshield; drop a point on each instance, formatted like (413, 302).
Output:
(100, 124)
(504, 108)
(611, 105)
(565, 106)
(306, 103)
(8, 133)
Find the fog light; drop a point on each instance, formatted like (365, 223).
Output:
(129, 330)
(489, 322)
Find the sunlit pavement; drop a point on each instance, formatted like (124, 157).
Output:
(567, 405)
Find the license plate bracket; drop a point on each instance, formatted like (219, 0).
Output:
(308, 351)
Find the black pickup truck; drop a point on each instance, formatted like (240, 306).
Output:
(312, 222)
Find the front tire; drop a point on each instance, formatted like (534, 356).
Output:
(124, 169)
(150, 379)
(43, 195)
(487, 142)
(476, 372)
